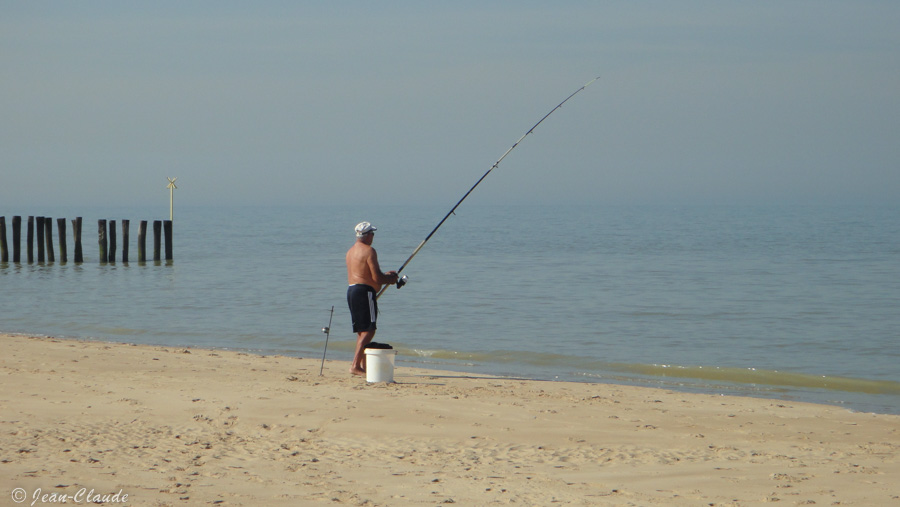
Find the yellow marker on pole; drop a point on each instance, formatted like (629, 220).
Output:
(171, 186)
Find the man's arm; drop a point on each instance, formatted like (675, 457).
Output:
(388, 278)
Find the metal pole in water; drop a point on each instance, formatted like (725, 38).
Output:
(171, 186)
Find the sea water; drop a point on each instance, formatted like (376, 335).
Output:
(784, 302)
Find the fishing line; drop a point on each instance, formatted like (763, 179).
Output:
(497, 163)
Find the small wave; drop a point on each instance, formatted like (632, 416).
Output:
(734, 375)
(768, 377)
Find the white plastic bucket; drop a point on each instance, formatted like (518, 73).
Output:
(380, 365)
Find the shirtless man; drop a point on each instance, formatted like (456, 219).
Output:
(365, 279)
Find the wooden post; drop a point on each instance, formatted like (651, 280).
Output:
(61, 230)
(76, 232)
(142, 241)
(157, 240)
(39, 227)
(101, 239)
(30, 239)
(112, 242)
(167, 227)
(125, 226)
(48, 235)
(4, 252)
(17, 238)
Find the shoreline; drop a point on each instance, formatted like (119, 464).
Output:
(178, 426)
(819, 389)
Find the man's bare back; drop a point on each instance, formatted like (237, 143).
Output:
(362, 265)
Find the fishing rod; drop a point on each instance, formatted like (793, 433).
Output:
(327, 331)
(402, 280)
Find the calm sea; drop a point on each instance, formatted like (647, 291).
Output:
(790, 303)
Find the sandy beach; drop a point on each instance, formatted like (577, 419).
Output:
(147, 425)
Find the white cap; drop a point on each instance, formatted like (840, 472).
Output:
(364, 228)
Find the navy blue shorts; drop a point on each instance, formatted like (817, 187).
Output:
(363, 307)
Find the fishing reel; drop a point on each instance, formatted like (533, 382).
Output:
(402, 281)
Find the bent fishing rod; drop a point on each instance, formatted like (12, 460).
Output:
(402, 281)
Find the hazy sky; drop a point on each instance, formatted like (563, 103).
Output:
(332, 102)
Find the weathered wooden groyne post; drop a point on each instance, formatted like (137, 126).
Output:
(39, 227)
(112, 241)
(167, 229)
(61, 230)
(48, 237)
(125, 225)
(142, 241)
(76, 231)
(17, 238)
(30, 239)
(4, 251)
(101, 240)
(157, 239)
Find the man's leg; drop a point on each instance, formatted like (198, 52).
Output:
(358, 367)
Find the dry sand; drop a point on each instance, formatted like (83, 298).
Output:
(172, 426)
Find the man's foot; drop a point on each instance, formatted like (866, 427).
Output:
(357, 371)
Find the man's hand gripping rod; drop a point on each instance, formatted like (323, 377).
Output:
(402, 280)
